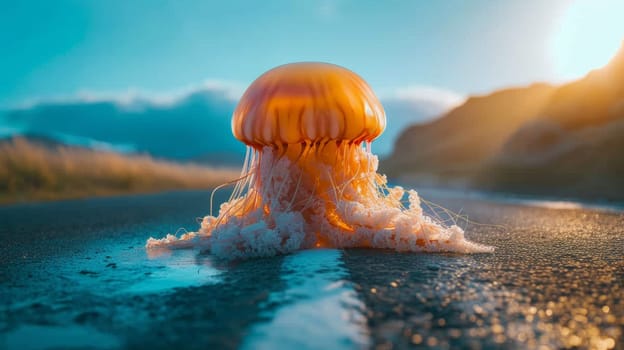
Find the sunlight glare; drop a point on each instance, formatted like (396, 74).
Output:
(588, 35)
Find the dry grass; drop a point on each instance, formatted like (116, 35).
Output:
(30, 171)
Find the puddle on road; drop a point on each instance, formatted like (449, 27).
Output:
(176, 272)
(115, 270)
(32, 337)
(320, 309)
(111, 273)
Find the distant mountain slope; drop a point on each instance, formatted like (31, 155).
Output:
(586, 163)
(467, 135)
(193, 128)
(559, 140)
(597, 98)
(198, 124)
(405, 111)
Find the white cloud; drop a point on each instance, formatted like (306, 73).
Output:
(436, 98)
(134, 97)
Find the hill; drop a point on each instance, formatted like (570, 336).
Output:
(41, 169)
(194, 126)
(542, 139)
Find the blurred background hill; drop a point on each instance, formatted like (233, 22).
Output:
(193, 127)
(561, 140)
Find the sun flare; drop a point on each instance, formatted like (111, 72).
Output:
(587, 36)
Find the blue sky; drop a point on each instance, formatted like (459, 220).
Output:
(61, 47)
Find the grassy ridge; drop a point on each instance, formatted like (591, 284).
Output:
(32, 171)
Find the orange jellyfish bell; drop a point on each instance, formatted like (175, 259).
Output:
(307, 181)
(308, 103)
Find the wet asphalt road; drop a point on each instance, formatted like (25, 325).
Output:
(74, 274)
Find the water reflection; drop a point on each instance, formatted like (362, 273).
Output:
(178, 269)
(319, 308)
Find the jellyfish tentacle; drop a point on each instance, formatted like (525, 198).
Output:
(294, 196)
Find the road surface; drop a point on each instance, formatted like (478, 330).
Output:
(75, 274)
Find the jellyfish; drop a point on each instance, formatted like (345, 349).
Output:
(310, 178)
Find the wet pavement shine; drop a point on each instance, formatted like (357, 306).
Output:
(75, 275)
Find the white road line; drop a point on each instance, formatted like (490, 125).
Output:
(320, 309)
